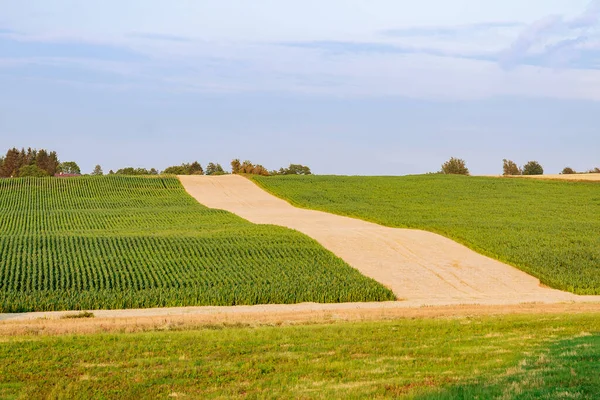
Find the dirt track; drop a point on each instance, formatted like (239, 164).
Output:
(274, 315)
(421, 268)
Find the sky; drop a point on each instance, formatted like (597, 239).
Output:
(355, 87)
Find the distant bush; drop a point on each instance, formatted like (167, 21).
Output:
(31, 170)
(136, 171)
(594, 171)
(510, 168)
(185, 169)
(568, 171)
(533, 168)
(293, 169)
(248, 168)
(455, 166)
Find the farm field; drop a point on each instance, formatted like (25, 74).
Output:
(548, 229)
(136, 242)
(514, 356)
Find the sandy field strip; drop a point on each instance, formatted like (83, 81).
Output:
(558, 177)
(274, 315)
(422, 268)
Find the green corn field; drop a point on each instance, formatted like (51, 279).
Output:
(135, 242)
(550, 229)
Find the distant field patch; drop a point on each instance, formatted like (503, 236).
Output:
(135, 242)
(549, 229)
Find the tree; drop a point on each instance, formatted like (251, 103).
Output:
(69, 167)
(455, 166)
(97, 171)
(214, 169)
(533, 168)
(32, 170)
(259, 170)
(236, 166)
(195, 168)
(247, 167)
(568, 171)
(10, 166)
(53, 164)
(510, 168)
(42, 160)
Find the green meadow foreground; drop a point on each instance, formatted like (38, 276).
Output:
(504, 357)
(136, 242)
(548, 229)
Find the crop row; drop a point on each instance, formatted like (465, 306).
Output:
(549, 229)
(158, 247)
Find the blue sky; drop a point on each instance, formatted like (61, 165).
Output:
(346, 86)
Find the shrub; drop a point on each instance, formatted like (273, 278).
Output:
(32, 170)
(568, 171)
(455, 166)
(533, 168)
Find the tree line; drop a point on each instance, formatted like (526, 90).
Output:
(237, 167)
(458, 166)
(33, 162)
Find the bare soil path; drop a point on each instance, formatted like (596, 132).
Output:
(273, 315)
(422, 268)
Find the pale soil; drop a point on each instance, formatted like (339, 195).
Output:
(271, 315)
(422, 268)
(570, 177)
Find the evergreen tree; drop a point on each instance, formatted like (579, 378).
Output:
(10, 166)
(42, 160)
(53, 164)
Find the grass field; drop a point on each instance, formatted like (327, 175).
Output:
(135, 242)
(516, 357)
(549, 229)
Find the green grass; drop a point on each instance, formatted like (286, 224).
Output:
(569, 369)
(135, 242)
(549, 229)
(440, 358)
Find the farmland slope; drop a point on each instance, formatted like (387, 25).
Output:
(137, 242)
(420, 267)
(549, 229)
